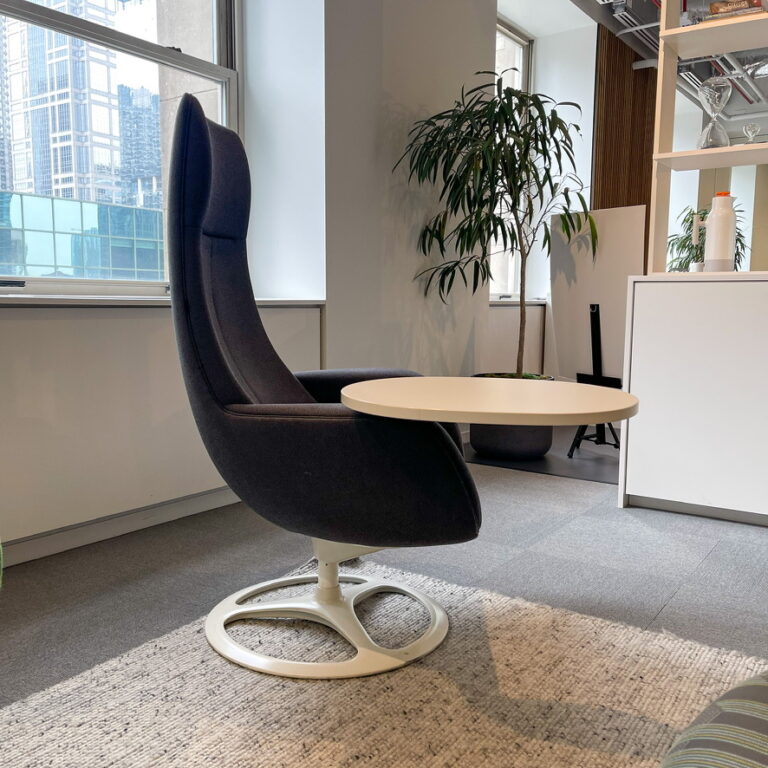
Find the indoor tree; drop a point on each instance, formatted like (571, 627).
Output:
(683, 251)
(503, 162)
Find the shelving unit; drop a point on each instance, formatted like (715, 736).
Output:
(676, 42)
(705, 159)
(713, 37)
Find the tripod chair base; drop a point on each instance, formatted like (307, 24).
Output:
(331, 603)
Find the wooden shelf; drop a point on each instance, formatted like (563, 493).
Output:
(705, 159)
(710, 38)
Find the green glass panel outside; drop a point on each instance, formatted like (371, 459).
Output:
(148, 224)
(38, 213)
(147, 255)
(10, 210)
(147, 274)
(11, 252)
(90, 212)
(64, 250)
(121, 221)
(67, 216)
(39, 249)
(122, 254)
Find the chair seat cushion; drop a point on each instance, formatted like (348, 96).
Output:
(731, 733)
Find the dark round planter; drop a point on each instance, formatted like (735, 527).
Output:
(517, 443)
(505, 442)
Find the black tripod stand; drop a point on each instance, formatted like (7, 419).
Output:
(597, 378)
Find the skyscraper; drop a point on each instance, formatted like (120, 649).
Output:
(62, 103)
(5, 118)
(140, 168)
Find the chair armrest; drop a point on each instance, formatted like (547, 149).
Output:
(326, 386)
(289, 411)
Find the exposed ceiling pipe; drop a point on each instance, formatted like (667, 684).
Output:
(603, 14)
(746, 79)
(634, 30)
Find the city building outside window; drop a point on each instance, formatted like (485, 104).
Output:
(88, 94)
(513, 57)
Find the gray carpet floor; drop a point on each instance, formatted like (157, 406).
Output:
(547, 539)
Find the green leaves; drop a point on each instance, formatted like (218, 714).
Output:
(681, 248)
(503, 163)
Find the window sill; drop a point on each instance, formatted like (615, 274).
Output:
(74, 300)
(514, 301)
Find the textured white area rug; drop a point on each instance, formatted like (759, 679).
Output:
(515, 684)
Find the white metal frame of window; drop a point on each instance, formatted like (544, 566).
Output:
(523, 40)
(226, 23)
(527, 43)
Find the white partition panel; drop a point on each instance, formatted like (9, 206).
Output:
(578, 280)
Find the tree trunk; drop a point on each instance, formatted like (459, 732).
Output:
(521, 337)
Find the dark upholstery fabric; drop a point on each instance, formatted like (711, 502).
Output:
(325, 387)
(311, 467)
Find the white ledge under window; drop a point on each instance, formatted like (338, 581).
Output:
(74, 300)
(514, 301)
(63, 292)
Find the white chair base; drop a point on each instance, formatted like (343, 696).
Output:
(332, 603)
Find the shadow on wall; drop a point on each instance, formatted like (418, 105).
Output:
(569, 255)
(429, 335)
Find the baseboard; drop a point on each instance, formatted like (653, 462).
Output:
(72, 536)
(732, 515)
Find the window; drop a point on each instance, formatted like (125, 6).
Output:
(90, 92)
(513, 58)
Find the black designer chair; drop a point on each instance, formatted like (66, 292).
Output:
(284, 443)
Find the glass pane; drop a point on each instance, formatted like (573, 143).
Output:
(83, 164)
(10, 210)
(39, 249)
(38, 212)
(509, 56)
(67, 216)
(11, 252)
(182, 24)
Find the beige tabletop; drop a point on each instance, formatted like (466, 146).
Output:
(490, 401)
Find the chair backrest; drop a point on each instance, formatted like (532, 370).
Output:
(225, 353)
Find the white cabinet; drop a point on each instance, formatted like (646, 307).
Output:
(697, 358)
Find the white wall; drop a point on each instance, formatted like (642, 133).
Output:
(94, 415)
(564, 68)
(389, 63)
(285, 139)
(499, 350)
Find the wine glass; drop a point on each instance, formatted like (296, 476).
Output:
(714, 95)
(750, 131)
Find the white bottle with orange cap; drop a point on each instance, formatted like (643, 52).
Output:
(720, 249)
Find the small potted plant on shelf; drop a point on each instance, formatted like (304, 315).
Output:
(503, 162)
(686, 255)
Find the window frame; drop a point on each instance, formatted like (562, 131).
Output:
(226, 31)
(526, 42)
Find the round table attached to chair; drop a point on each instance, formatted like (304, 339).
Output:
(520, 402)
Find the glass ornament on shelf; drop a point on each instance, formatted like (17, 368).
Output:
(714, 95)
(751, 130)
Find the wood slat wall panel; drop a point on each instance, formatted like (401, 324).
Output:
(624, 119)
